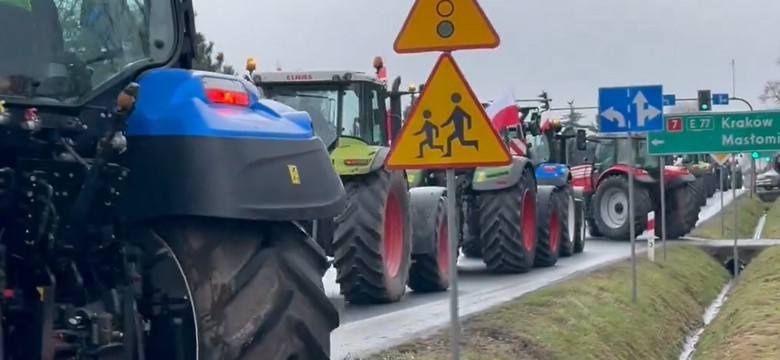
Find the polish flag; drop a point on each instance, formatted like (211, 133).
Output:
(503, 112)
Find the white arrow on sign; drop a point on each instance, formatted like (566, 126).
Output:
(615, 116)
(657, 142)
(643, 114)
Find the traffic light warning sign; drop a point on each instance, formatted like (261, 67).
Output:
(445, 25)
(448, 128)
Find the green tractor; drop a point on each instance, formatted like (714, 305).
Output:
(499, 212)
(377, 246)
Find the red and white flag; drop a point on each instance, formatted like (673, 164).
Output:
(503, 114)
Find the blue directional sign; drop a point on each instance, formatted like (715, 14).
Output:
(635, 109)
(670, 100)
(720, 99)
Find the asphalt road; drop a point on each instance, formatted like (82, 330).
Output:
(367, 329)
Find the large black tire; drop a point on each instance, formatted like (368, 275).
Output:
(509, 240)
(378, 211)
(255, 287)
(619, 184)
(681, 212)
(579, 228)
(550, 217)
(471, 245)
(712, 185)
(430, 271)
(700, 193)
(568, 222)
(593, 230)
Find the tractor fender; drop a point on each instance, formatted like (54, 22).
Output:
(553, 174)
(501, 177)
(579, 193)
(676, 179)
(354, 156)
(379, 159)
(190, 157)
(424, 200)
(640, 175)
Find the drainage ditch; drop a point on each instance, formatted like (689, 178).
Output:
(725, 255)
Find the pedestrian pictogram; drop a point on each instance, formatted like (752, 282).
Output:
(448, 128)
(445, 25)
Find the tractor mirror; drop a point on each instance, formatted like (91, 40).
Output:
(581, 139)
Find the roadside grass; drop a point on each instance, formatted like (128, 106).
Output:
(748, 325)
(772, 225)
(749, 211)
(590, 317)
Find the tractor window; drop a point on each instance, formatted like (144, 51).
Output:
(71, 47)
(378, 118)
(539, 148)
(321, 103)
(352, 126)
(605, 152)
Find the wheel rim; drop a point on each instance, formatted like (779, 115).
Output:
(529, 221)
(444, 248)
(393, 235)
(614, 208)
(555, 231)
(572, 219)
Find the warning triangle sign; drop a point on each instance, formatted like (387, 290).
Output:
(445, 25)
(448, 128)
(720, 158)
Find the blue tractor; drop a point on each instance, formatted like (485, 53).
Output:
(547, 150)
(149, 211)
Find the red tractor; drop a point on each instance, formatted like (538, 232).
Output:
(604, 181)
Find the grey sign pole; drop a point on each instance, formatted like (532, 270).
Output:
(662, 166)
(452, 239)
(736, 223)
(722, 191)
(631, 224)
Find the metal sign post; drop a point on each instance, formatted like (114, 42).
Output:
(662, 165)
(452, 239)
(631, 219)
(736, 224)
(722, 190)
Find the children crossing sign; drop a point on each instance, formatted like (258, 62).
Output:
(448, 128)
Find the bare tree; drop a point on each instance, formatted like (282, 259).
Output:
(771, 91)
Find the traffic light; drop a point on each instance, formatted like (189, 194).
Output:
(754, 154)
(705, 100)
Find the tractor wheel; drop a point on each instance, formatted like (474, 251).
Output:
(430, 272)
(610, 208)
(551, 215)
(569, 222)
(373, 240)
(250, 290)
(740, 179)
(681, 212)
(712, 185)
(579, 228)
(507, 222)
(590, 222)
(698, 189)
(471, 245)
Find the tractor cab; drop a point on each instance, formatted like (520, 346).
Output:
(345, 104)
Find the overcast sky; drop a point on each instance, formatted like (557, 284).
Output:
(568, 47)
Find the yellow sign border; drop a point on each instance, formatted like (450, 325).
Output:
(487, 45)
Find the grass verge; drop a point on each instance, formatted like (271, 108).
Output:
(772, 225)
(749, 211)
(749, 322)
(592, 317)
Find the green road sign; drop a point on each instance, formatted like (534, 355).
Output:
(727, 132)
